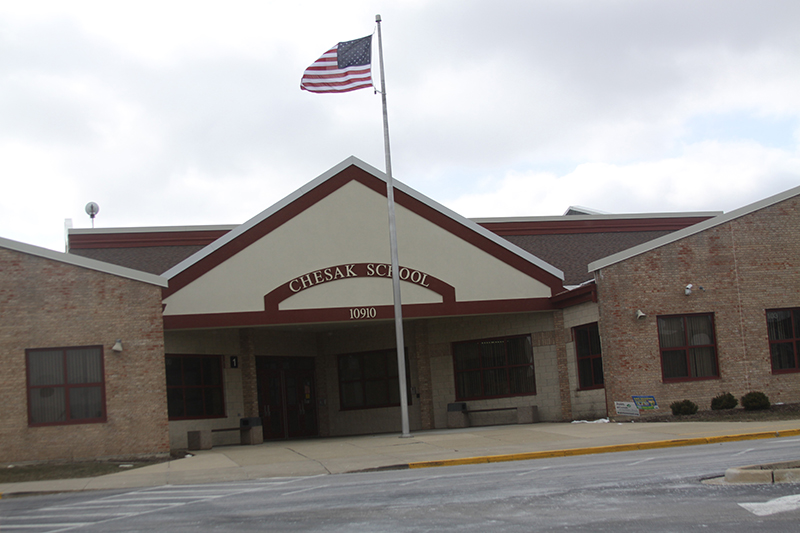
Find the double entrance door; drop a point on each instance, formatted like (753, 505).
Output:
(286, 400)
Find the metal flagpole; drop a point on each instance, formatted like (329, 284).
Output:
(398, 308)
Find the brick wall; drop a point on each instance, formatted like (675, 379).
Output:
(540, 326)
(363, 339)
(745, 266)
(224, 342)
(48, 304)
(430, 370)
(586, 404)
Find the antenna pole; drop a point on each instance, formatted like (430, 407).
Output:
(398, 307)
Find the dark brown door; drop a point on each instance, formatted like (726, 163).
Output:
(286, 399)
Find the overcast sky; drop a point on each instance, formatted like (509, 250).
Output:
(184, 113)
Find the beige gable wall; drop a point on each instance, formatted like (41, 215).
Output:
(351, 226)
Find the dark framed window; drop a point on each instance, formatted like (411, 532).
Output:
(194, 386)
(590, 359)
(369, 380)
(494, 368)
(66, 385)
(688, 347)
(783, 326)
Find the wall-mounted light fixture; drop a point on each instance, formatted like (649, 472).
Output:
(640, 314)
(688, 290)
(117, 346)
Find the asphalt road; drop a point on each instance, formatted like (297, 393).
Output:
(652, 490)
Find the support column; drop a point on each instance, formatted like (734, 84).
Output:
(424, 384)
(247, 362)
(324, 368)
(563, 368)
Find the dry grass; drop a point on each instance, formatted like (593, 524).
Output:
(81, 469)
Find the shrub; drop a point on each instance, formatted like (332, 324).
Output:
(755, 400)
(726, 400)
(685, 407)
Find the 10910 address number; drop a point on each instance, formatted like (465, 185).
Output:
(360, 313)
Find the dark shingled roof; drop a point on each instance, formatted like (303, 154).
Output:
(573, 252)
(152, 259)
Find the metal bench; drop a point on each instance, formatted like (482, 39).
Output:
(249, 431)
(459, 415)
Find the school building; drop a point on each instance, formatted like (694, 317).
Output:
(139, 340)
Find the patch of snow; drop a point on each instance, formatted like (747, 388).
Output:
(599, 421)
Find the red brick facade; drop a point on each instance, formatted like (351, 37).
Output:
(745, 266)
(45, 303)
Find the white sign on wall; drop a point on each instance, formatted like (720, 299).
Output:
(626, 408)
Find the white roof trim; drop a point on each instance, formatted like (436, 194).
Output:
(352, 160)
(580, 218)
(84, 262)
(150, 229)
(584, 210)
(691, 230)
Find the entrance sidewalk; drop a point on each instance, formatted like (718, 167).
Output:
(337, 455)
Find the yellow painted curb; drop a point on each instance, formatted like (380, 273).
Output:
(744, 436)
(605, 449)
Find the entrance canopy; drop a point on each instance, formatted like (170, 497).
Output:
(322, 255)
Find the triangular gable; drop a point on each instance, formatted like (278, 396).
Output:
(692, 230)
(308, 258)
(83, 262)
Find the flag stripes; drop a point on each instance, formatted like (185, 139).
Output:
(332, 73)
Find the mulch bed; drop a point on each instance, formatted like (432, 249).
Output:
(789, 411)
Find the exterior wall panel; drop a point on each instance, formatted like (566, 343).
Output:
(744, 266)
(45, 304)
(586, 404)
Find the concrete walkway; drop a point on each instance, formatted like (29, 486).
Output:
(339, 455)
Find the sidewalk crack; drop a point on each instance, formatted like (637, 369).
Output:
(309, 458)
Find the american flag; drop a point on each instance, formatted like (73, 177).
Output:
(343, 68)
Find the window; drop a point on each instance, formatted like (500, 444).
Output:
(688, 348)
(369, 380)
(590, 360)
(66, 385)
(194, 386)
(783, 326)
(494, 368)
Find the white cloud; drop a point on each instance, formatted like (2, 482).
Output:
(707, 176)
(184, 112)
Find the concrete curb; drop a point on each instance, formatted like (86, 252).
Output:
(223, 468)
(606, 449)
(785, 472)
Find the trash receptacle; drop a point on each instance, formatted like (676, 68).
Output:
(250, 430)
(249, 422)
(457, 415)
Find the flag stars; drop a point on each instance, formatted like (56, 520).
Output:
(354, 53)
